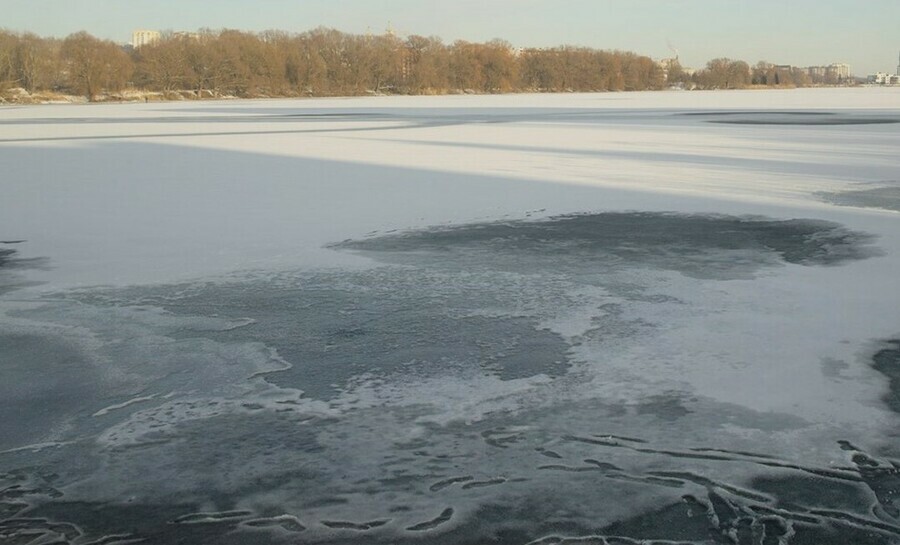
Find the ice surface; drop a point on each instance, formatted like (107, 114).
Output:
(522, 319)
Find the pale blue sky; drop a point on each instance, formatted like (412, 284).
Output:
(864, 33)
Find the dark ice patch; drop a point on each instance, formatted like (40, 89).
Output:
(483, 484)
(887, 198)
(211, 518)
(887, 362)
(335, 327)
(700, 246)
(339, 327)
(234, 455)
(834, 368)
(355, 526)
(9, 258)
(449, 482)
(788, 117)
(145, 523)
(5, 255)
(29, 407)
(665, 407)
(804, 492)
(683, 521)
(445, 516)
(802, 113)
(284, 522)
(11, 263)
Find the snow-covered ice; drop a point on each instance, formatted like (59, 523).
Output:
(619, 317)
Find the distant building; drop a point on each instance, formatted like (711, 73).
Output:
(817, 71)
(666, 66)
(836, 72)
(840, 70)
(881, 78)
(783, 70)
(195, 36)
(783, 73)
(141, 38)
(668, 63)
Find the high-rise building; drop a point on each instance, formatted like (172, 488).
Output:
(144, 37)
(840, 70)
(817, 71)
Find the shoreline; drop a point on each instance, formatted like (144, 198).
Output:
(21, 97)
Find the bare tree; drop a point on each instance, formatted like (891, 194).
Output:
(8, 75)
(723, 73)
(163, 66)
(95, 65)
(425, 65)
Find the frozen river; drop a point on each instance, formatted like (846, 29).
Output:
(665, 317)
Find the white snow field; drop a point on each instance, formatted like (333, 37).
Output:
(623, 318)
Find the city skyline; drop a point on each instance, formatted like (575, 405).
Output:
(805, 33)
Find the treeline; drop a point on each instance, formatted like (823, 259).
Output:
(325, 62)
(321, 62)
(729, 74)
